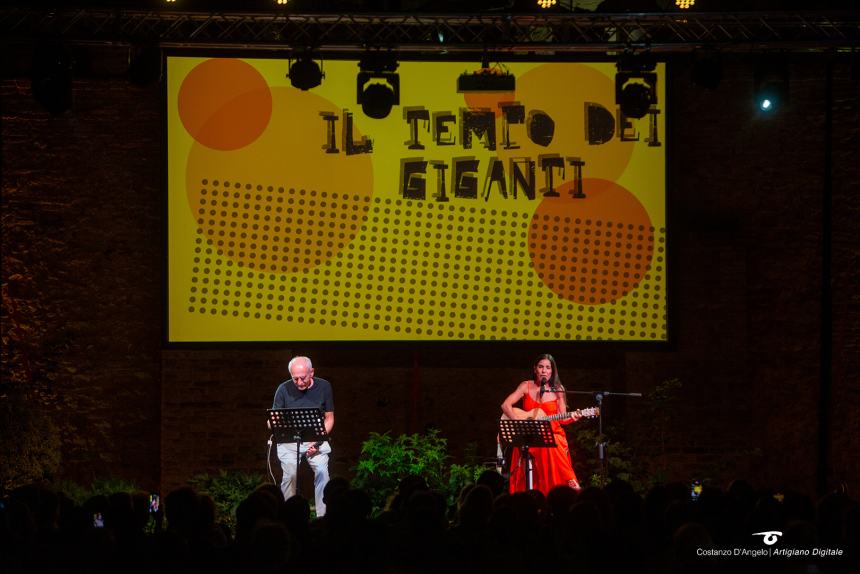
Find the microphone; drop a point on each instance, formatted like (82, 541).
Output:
(542, 387)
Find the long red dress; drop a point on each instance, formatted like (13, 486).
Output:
(551, 466)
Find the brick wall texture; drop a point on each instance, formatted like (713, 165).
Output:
(83, 302)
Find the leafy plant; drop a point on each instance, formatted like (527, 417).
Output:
(642, 466)
(622, 464)
(459, 476)
(386, 460)
(29, 439)
(659, 406)
(227, 490)
(99, 487)
(729, 464)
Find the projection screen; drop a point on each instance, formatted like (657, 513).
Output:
(532, 214)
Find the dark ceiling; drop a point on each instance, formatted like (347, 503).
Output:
(448, 6)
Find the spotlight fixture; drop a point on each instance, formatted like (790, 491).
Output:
(304, 73)
(770, 85)
(546, 3)
(635, 84)
(684, 4)
(377, 86)
(487, 79)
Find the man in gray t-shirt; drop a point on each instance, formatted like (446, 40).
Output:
(303, 390)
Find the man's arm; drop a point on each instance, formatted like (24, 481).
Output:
(279, 401)
(329, 421)
(275, 405)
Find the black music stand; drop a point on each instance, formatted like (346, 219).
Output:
(298, 426)
(527, 434)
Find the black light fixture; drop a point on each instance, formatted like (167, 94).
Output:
(304, 73)
(377, 86)
(770, 80)
(635, 84)
(488, 79)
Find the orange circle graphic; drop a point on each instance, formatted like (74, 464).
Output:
(595, 249)
(282, 204)
(563, 92)
(224, 104)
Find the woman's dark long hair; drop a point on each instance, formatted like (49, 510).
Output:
(556, 380)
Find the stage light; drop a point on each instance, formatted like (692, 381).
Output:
(635, 84)
(636, 96)
(377, 86)
(305, 74)
(487, 79)
(546, 3)
(684, 4)
(770, 85)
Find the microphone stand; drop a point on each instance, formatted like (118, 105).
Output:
(601, 439)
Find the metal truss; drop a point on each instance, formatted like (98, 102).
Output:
(518, 34)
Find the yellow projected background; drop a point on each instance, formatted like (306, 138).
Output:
(273, 237)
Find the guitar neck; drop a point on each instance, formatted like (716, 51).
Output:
(581, 413)
(537, 414)
(558, 417)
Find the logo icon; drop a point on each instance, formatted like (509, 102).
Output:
(769, 536)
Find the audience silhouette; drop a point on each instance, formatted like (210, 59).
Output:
(613, 529)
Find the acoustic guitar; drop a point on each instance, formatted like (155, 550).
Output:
(536, 414)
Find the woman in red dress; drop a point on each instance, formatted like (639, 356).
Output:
(544, 395)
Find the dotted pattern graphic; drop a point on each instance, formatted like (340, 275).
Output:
(588, 261)
(427, 270)
(277, 230)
